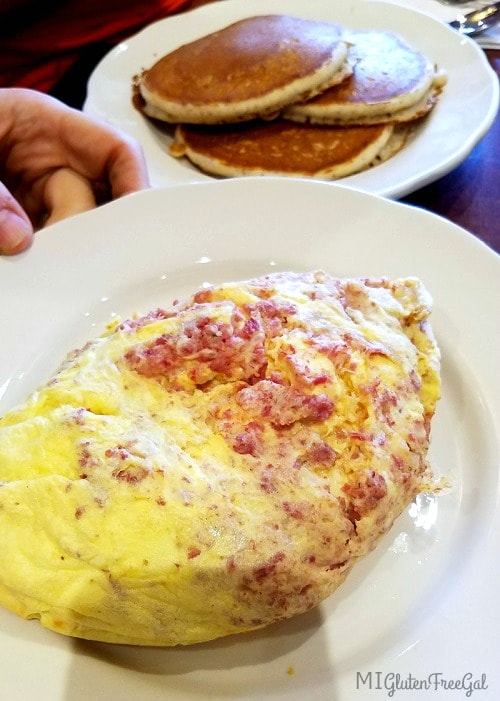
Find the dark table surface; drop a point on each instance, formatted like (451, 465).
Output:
(469, 195)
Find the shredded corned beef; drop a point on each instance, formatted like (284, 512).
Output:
(283, 405)
(204, 347)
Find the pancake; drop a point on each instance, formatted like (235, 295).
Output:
(399, 137)
(406, 115)
(280, 147)
(251, 68)
(218, 465)
(391, 82)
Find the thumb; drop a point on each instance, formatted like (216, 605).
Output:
(16, 231)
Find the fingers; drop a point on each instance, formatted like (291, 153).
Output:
(59, 164)
(16, 231)
(103, 154)
(67, 193)
(127, 169)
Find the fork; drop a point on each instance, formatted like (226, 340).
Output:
(455, 2)
(474, 23)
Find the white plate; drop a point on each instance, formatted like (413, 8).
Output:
(464, 113)
(427, 599)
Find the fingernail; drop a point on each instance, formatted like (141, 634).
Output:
(15, 232)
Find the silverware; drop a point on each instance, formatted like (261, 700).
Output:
(478, 21)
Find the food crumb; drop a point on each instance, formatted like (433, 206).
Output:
(290, 670)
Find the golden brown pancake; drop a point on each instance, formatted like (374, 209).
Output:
(399, 137)
(251, 68)
(280, 147)
(391, 82)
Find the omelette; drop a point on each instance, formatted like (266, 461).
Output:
(220, 463)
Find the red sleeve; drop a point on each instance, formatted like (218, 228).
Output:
(39, 53)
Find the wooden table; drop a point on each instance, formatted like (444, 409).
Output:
(470, 195)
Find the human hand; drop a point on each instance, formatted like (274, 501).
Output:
(55, 162)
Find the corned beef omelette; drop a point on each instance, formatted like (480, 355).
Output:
(218, 465)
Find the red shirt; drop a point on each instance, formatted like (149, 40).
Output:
(38, 53)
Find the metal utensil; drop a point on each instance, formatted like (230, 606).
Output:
(478, 21)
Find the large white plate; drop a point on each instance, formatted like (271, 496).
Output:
(464, 114)
(426, 601)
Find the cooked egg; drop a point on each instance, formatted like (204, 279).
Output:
(220, 464)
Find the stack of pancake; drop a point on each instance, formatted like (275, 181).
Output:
(282, 95)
